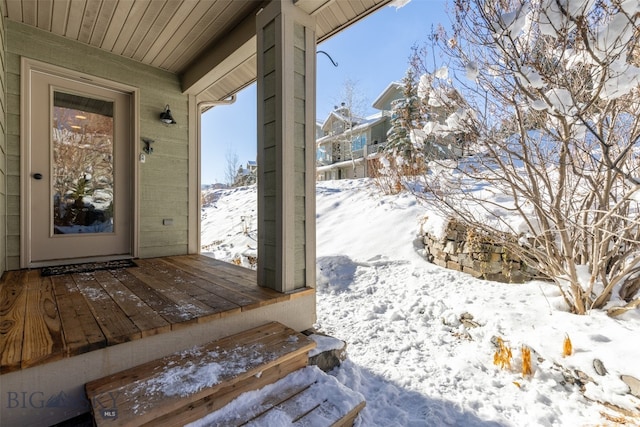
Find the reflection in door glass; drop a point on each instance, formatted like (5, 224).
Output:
(82, 141)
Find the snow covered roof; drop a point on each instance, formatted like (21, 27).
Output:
(336, 115)
(391, 93)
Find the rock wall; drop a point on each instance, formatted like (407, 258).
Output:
(476, 254)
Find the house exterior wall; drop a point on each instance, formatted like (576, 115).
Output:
(268, 157)
(286, 154)
(354, 171)
(341, 162)
(163, 178)
(378, 133)
(3, 144)
(300, 154)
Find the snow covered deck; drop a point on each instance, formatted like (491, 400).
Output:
(58, 333)
(45, 319)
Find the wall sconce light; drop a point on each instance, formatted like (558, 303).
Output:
(166, 117)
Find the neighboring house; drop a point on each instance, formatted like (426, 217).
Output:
(216, 186)
(319, 132)
(349, 145)
(247, 175)
(100, 112)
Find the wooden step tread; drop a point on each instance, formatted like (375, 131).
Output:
(171, 384)
(307, 397)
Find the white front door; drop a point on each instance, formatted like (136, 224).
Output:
(79, 173)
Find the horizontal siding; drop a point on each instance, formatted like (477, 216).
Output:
(269, 161)
(285, 88)
(156, 240)
(270, 111)
(163, 184)
(268, 235)
(299, 152)
(269, 242)
(3, 144)
(270, 185)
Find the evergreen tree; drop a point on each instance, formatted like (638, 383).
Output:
(406, 116)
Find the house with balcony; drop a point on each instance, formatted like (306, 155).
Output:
(350, 144)
(102, 280)
(342, 153)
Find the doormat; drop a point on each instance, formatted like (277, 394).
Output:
(86, 268)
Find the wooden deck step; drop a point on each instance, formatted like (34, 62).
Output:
(186, 386)
(307, 397)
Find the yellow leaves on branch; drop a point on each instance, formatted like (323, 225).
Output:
(567, 348)
(526, 361)
(502, 356)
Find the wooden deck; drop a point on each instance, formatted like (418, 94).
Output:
(43, 319)
(163, 392)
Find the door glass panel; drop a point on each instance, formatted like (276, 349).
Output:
(82, 180)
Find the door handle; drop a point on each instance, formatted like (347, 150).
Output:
(37, 176)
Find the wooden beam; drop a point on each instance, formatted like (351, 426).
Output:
(238, 46)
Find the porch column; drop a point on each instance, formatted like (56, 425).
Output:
(286, 146)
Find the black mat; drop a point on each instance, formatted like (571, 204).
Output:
(86, 268)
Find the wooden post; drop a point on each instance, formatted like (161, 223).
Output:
(286, 147)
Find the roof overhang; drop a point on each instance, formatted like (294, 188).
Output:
(210, 44)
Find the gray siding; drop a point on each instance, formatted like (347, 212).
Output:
(300, 96)
(163, 185)
(3, 144)
(272, 153)
(379, 133)
(286, 148)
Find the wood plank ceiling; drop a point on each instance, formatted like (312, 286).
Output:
(173, 34)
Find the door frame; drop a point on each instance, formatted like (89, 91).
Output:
(27, 66)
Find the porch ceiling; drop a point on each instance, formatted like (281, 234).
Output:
(209, 43)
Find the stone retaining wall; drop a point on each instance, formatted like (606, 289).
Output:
(475, 254)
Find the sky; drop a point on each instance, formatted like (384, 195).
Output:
(371, 53)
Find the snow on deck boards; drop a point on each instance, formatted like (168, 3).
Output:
(43, 319)
(168, 386)
(306, 397)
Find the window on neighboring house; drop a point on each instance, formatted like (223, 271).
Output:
(358, 142)
(321, 154)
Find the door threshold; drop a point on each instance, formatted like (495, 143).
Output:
(69, 261)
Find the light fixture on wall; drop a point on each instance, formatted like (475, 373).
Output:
(166, 117)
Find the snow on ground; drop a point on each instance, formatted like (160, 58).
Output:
(410, 354)
(229, 225)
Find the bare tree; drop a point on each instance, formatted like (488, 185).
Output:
(352, 108)
(551, 105)
(352, 96)
(231, 168)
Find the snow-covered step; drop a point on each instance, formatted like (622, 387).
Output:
(307, 397)
(188, 385)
